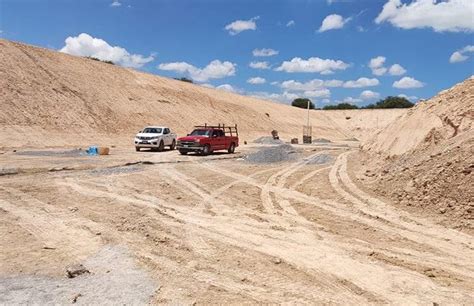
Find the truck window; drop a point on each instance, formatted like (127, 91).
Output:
(200, 133)
(220, 133)
(167, 131)
(151, 131)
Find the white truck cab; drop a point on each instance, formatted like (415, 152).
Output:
(155, 138)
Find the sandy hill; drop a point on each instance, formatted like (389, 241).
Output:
(54, 99)
(447, 115)
(429, 155)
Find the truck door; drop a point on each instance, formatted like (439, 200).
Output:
(167, 137)
(222, 139)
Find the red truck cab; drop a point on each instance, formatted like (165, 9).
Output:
(205, 139)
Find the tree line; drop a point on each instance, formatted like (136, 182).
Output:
(388, 102)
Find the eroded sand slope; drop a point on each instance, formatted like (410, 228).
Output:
(427, 157)
(54, 99)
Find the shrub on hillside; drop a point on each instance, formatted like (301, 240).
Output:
(391, 102)
(99, 60)
(388, 102)
(184, 80)
(302, 103)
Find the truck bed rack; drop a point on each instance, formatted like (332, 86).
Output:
(228, 129)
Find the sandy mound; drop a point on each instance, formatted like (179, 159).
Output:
(429, 156)
(447, 115)
(54, 99)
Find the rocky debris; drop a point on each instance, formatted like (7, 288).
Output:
(268, 140)
(75, 297)
(275, 154)
(76, 270)
(319, 159)
(438, 183)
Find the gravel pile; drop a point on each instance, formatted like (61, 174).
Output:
(319, 159)
(268, 140)
(68, 153)
(275, 154)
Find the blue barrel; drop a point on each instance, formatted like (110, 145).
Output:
(93, 150)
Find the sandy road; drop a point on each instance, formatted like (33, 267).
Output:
(231, 232)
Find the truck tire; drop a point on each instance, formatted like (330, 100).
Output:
(161, 147)
(173, 145)
(206, 150)
(231, 149)
(182, 152)
(137, 149)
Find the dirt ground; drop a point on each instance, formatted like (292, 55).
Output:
(188, 229)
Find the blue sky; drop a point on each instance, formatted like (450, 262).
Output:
(328, 50)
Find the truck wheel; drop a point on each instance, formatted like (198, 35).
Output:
(137, 149)
(173, 145)
(206, 150)
(231, 149)
(182, 152)
(161, 147)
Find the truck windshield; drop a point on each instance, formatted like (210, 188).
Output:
(152, 131)
(200, 133)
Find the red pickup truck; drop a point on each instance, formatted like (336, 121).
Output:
(205, 139)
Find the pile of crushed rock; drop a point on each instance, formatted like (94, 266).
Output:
(268, 140)
(274, 154)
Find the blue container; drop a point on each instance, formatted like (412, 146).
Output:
(93, 150)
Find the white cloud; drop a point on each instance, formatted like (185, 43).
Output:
(311, 85)
(115, 3)
(457, 57)
(320, 93)
(376, 64)
(397, 69)
(449, 15)
(350, 100)
(407, 82)
(238, 26)
(460, 55)
(333, 22)
(369, 95)
(283, 97)
(264, 52)
(259, 65)
(326, 101)
(227, 87)
(361, 82)
(256, 80)
(312, 64)
(411, 98)
(86, 45)
(290, 23)
(214, 70)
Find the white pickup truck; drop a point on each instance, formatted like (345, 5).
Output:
(155, 138)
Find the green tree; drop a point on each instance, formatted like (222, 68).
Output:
(340, 106)
(302, 103)
(391, 102)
